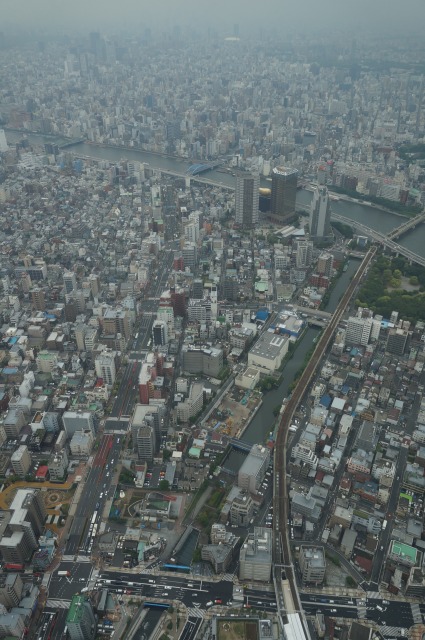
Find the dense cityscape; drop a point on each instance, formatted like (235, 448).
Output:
(212, 376)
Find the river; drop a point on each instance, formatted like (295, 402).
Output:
(379, 220)
(264, 420)
(376, 219)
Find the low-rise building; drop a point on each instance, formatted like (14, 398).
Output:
(58, 465)
(81, 443)
(312, 564)
(268, 352)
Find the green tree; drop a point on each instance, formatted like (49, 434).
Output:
(387, 275)
(413, 280)
(164, 485)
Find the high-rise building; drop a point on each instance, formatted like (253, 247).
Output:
(284, 194)
(247, 199)
(38, 299)
(69, 281)
(397, 341)
(358, 330)
(105, 367)
(78, 421)
(146, 443)
(253, 469)
(80, 620)
(304, 254)
(152, 415)
(160, 333)
(255, 558)
(198, 289)
(21, 460)
(94, 282)
(324, 264)
(190, 255)
(312, 564)
(11, 587)
(25, 526)
(116, 321)
(320, 214)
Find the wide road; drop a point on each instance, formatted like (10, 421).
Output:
(98, 488)
(281, 544)
(392, 613)
(127, 391)
(167, 587)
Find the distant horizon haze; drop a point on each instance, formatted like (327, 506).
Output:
(379, 16)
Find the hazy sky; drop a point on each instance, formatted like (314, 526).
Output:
(296, 15)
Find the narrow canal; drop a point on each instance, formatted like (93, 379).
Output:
(263, 422)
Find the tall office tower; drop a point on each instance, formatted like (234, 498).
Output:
(80, 620)
(320, 214)
(284, 194)
(247, 199)
(69, 281)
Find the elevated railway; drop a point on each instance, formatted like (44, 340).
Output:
(287, 596)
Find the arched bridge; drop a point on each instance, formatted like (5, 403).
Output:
(201, 167)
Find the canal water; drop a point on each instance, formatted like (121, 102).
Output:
(264, 420)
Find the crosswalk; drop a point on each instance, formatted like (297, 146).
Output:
(416, 613)
(79, 559)
(227, 577)
(391, 632)
(58, 604)
(195, 612)
(372, 594)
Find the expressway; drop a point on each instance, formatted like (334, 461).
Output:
(281, 546)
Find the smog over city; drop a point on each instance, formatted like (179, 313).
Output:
(212, 319)
(376, 16)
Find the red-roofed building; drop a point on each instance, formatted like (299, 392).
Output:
(42, 473)
(364, 563)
